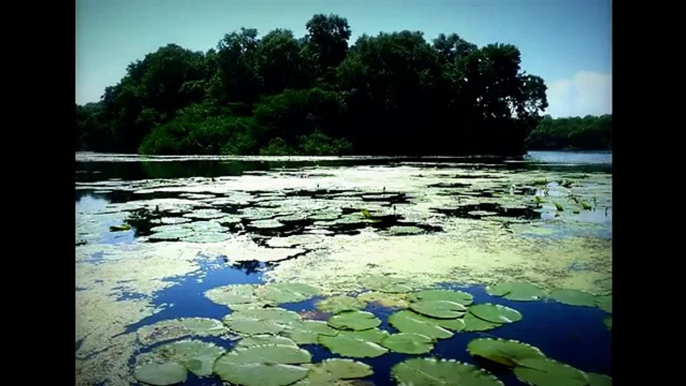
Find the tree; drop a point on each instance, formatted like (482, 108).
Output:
(327, 41)
(279, 61)
(238, 76)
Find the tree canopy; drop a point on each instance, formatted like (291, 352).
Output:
(587, 133)
(394, 93)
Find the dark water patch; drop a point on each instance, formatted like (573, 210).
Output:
(449, 185)
(484, 209)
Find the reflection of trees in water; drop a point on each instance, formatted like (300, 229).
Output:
(249, 266)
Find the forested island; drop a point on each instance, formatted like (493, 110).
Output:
(394, 93)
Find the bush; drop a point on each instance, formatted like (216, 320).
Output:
(318, 143)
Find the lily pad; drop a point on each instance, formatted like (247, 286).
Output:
(228, 220)
(265, 224)
(595, 379)
(336, 304)
(604, 303)
(258, 374)
(278, 293)
(306, 331)
(547, 372)
(410, 322)
(608, 322)
(180, 328)
(275, 314)
(161, 374)
(375, 335)
(506, 352)
(441, 372)
(386, 284)
(346, 368)
(463, 298)
(442, 309)
(354, 320)
(253, 321)
(385, 299)
(258, 340)
(351, 346)
(474, 324)
(233, 294)
(408, 343)
(516, 291)
(205, 214)
(573, 297)
(495, 313)
(197, 356)
(211, 237)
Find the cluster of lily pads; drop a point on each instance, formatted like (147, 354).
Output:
(267, 352)
(572, 297)
(530, 364)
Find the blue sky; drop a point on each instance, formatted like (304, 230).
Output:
(567, 42)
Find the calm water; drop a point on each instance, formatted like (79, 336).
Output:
(574, 335)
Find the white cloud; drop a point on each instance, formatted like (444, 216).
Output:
(587, 93)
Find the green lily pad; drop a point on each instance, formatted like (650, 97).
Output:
(547, 372)
(516, 291)
(453, 296)
(161, 374)
(345, 368)
(495, 313)
(385, 299)
(573, 297)
(336, 304)
(595, 379)
(506, 352)
(233, 294)
(180, 328)
(474, 324)
(198, 357)
(386, 284)
(354, 320)
(259, 374)
(258, 340)
(441, 372)
(375, 335)
(205, 214)
(442, 309)
(243, 324)
(408, 343)
(278, 293)
(608, 322)
(228, 220)
(275, 314)
(604, 303)
(306, 331)
(410, 322)
(351, 346)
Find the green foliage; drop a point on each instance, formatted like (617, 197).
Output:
(587, 133)
(506, 352)
(434, 371)
(161, 374)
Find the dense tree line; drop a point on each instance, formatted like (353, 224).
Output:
(575, 133)
(394, 93)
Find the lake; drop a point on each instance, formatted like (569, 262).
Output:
(163, 240)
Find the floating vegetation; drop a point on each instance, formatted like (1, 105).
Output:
(604, 303)
(595, 379)
(397, 300)
(434, 371)
(354, 320)
(460, 297)
(442, 309)
(160, 374)
(574, 297)
(558, 206)
(474, 324)
(408, 343)
(410, 322)
(329, 371)
(180, 328)
(608, 322)
(352, 345)
(386, 284)
(495, 313)
(265, 224)
(233, 294)
(506, 352)
(307, 331)
(258, 340)
(516, 291)
(263, 365)
(397, 230)
(205, 214)
(585, 206)
(120, 228)
(253, 321)
(196, 356)
(278, 293)
(336, 304)
(547, 372)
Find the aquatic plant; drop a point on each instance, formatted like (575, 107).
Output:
(595, 379)
(548, 372)
(574, 297)
(354, 320)
(460, 297)
(120, 228)
(160, 374)
(408, 343)
(252, 321)
(608, 322)
(434, 371)
(516, 291)
(410, 322)
(386, 284)
(354, 345)
(397, 300)
(278, 293)
(233, 294)
(196, 356)
(558, 206)
(366, 214)
(474, 324)
(495, 313)
(263, 365)
(506, 352)
(329, 371)
(336, 304)
(442, 309)
(262, 339)
(180, 328)
(307, 331)
(604, 303)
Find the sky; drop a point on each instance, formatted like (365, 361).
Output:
(566, 42)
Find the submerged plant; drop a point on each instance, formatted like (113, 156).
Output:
(434, 371)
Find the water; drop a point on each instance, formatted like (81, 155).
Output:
(573, 335)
